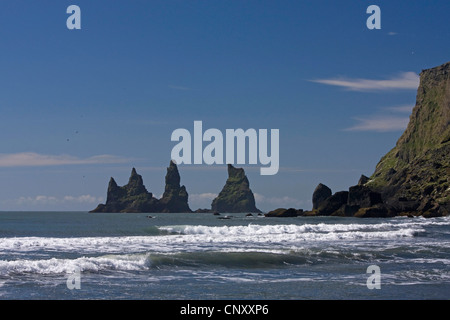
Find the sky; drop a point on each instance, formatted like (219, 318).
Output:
(78, 106)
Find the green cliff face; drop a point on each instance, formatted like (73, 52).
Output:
(415, 175)
(236, 195)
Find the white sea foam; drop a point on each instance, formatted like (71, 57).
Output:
(202, 237)
(67, 266)
(254, 229)
(134, 253)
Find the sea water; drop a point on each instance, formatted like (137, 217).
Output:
(203, 256)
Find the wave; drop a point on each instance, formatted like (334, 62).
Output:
(201, 237)
(141, 262)
(243, 259)
(206, 238)
(255, 229)
(242, 246)
(293, 233)
(67, 266)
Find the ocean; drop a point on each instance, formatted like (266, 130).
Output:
(124, 256)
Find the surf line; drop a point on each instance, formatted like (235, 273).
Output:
(213, 153)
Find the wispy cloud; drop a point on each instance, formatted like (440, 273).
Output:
(396, 120)
(201, 200)
(52, 200)
(379, 124)
(405, 80)
(31, 159)
(46, 202)
(400, 109)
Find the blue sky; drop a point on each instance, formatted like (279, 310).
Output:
(80, 106)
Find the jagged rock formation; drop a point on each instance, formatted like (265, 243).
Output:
(175, 198)
(414, 177)
(236, 196)
(354, 202)
(321, 193)
(334, 205)
(134, 197)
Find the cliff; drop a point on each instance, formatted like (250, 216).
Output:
(411, 179)
(414, 176)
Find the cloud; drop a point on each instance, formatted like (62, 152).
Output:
(380, 124)
(31, 159)
(400, 109)
(52, 201)
(201, 200)
(203, 196)
(396, 120)
(405, 80)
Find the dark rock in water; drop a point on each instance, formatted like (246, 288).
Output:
(334, 203)
(204, 211)
(249, 215)
(236, 196)
(134, 197)
(378, 211)
(175, 197)
(321, 193)
(363, 197)
(282, 212)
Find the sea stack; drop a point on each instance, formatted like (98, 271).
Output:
(236, 196)
(134, 197)
(175, 198)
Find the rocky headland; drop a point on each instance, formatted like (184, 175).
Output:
(412, 179)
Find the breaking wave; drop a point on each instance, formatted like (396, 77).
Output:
(243, 246)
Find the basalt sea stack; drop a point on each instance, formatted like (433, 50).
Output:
(134, 197)
(236, 195)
